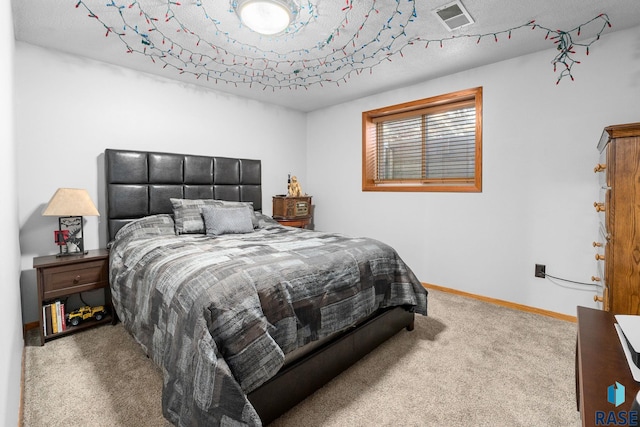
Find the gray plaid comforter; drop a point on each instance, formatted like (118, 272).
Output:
(218, 315)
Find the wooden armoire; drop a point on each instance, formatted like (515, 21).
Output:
(618, 245)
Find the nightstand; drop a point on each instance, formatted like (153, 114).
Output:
(59, 277)
(292, 211)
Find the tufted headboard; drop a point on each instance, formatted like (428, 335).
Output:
(140, 183)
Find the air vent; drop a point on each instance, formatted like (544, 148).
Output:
(453, 15)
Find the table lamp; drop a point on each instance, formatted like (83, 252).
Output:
(70, 205)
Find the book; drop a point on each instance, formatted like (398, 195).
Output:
(62, 317)
(44, 321)
(58, 317)
(47, 310)
(54, 318)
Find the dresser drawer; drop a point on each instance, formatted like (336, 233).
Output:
(79, 277)
(602, 280)
(602, 168)
(603, 207)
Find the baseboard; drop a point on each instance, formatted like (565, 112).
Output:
(28, 326)
(503, 303)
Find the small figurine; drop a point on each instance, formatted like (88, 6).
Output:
(294, 188)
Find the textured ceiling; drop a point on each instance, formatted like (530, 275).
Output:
(335, 51)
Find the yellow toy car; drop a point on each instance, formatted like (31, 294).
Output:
(75, 317)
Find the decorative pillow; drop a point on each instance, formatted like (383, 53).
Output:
(153, 225)
(188, 214)
(254, 218)
(227, 220)
(264, 220)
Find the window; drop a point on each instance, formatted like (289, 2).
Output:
(433, 144)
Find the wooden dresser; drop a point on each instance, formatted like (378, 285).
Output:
(618, 244)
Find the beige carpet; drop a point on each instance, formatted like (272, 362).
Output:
(469, 363)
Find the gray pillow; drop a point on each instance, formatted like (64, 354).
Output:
(187, 214)
(229, 203)
(227, 220)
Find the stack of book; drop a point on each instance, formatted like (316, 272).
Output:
(53, 318)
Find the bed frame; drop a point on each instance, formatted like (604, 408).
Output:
(140, 183)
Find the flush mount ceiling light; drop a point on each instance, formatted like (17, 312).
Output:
(266, 17)
(453, 15)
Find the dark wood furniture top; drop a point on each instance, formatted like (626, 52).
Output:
(600, 362)
(59, 277)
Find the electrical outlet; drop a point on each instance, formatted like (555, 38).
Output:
(541, 270)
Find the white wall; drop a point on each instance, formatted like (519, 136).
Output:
(70, 109)
(539, 150)
(539, 153)
(10, 317)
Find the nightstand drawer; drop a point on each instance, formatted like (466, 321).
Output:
(79, 277)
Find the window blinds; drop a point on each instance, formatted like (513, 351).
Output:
(427, 146)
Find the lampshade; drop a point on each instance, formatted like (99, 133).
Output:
(71, 202)
(266, 16)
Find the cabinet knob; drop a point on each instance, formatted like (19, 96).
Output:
(598, 298)
(597, 244)
(595, 279)
(599, 257)
(77, 279)
(599, 206)
(599, 167)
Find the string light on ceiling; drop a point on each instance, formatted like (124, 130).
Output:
(213, 39)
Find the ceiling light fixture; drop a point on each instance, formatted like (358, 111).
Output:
(266, 17)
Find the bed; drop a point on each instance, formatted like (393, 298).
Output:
(244, 316)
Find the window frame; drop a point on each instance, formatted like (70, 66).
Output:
(450, 101)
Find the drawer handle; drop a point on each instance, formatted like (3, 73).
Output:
(599, 206)
(597, 244)
(595, 279)
(77, 279)
(599, 257)
(598, 298)
(599, 168)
